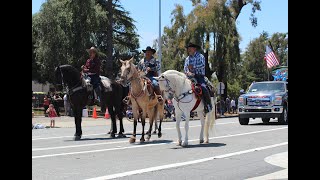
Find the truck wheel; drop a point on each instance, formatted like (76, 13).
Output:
(244, 121)
(265, 120)
(283, 119)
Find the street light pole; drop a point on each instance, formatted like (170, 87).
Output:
(159, 41)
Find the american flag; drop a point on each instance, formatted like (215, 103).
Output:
(271, 58)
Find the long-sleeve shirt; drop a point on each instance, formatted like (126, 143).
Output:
(93, 66)
(198, 63)
(153, 63)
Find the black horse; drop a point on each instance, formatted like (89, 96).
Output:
(112, 94)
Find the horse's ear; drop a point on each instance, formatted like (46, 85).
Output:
(156, 78)
(132, 60)
(122, 61)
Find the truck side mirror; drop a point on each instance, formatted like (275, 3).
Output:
(242, 92)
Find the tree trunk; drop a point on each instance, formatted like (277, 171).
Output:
(109, 60)
(206, 56)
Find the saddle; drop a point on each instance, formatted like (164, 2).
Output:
(148, 85)
(197, 86)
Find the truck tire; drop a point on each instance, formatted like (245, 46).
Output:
(265, 120)
(283, 119)
(244, 121)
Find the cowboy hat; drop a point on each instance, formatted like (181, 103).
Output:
(92, 49)
(149, 49)
(193, 45)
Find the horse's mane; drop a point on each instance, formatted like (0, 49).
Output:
(69, 68)
(174, 72)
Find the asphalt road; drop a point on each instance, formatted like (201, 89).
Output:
(254, 152)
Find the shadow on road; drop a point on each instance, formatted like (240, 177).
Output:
(200, 145)
(151, 142)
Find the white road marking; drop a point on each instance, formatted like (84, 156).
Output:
(167, 166)
(131, 147)
(281, 160)
(59, 137)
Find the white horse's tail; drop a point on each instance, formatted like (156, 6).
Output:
(210, 117)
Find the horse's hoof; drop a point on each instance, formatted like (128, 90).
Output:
(159, 135)
(142, 140)
(206, 141)
(109, 132)
(154, 132)
(112, 135)
(179, 143)
(201, 141)
(76, 138)
(121, 135)
(184, 144)
(132, 140)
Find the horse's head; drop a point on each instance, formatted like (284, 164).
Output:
(127, 70)
(57, 76)
(66, 75)
(170, 81)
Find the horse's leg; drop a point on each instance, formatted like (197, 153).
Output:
(186, 128)
(135, 111)
(143, 122)
(160, 111)
(120, 116)
(201, 117)
(178, 120)
(155, 124)
(77, 120)
(150, 127)
(113, 119)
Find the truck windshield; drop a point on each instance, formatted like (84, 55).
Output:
(275, 87)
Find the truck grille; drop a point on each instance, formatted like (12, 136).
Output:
(257, 110)
(258, 101)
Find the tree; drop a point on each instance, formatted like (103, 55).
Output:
(212, 25)
(64, 29)
(254, 67)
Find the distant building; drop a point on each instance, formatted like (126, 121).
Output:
(38, 87)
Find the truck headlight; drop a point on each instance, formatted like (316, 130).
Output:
(278, 101)
(240, 101)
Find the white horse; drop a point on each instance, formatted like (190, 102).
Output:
(177, 84)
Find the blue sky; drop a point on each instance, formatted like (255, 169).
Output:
(273, 18)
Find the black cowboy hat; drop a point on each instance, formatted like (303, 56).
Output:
(149, 49)
(193, 45)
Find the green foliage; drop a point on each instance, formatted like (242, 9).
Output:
(63, 29)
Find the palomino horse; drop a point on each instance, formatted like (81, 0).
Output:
(140, 99)
(77, 90)
(176, 84)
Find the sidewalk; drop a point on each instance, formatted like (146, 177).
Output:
(68, 122)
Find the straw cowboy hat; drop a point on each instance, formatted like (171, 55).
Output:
(149, 49)
(92, 49)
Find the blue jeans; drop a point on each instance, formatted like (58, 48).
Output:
(200, 80)
(154, 82)
(95, 80)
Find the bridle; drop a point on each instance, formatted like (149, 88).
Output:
(170, 90)
(72, 90)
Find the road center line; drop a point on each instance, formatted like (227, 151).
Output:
(140, 146)
(174, 165)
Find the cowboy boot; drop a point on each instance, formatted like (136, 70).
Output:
(207, 100)
(157, 91)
